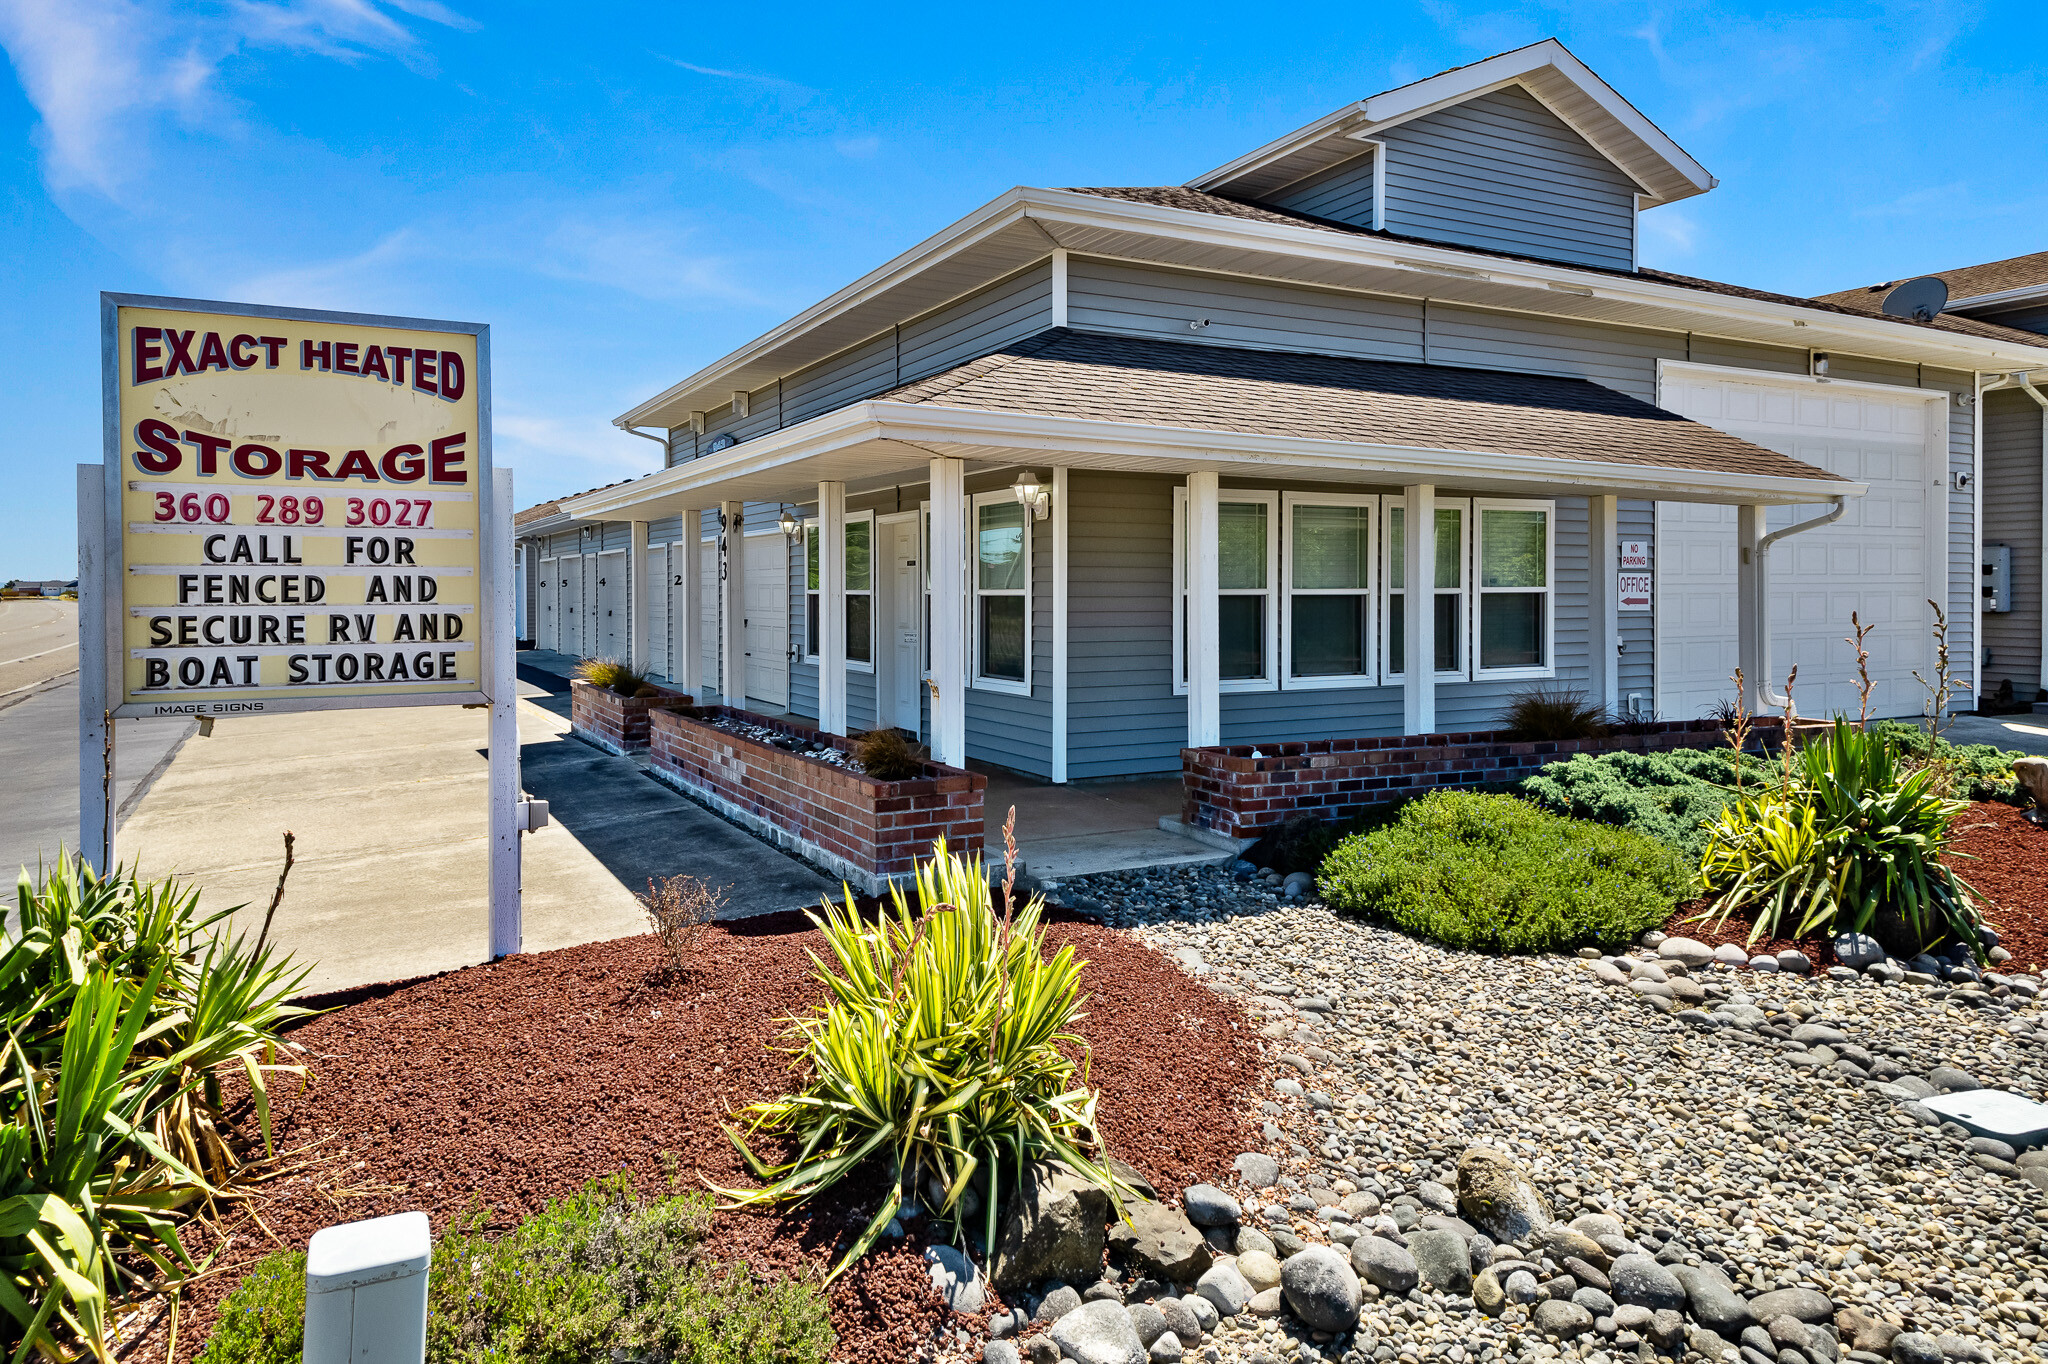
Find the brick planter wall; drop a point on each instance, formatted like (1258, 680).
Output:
(862, 829)
(615, 723)
(1231, 793)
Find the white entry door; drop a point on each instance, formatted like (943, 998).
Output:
(710, 639)
(549, 588)
(1881, 560)
(575, 612)
(900, 654)
(657, 612)
(609, 605)
(766, 622)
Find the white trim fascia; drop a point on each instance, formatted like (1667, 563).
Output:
(992, 217)
(1287, 144)
(1666, 365)
(1212, 229)
(925, 424)
(552, 525)
(1059, 286)
(2026, 293)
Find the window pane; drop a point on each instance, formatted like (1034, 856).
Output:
(1450, 640)
(857, 616)
(1330, 546)
(1241, 637)
(1240, 545)
(1000, 537)
(811, 640)
(1002, 637)
(1397, 549)
(1511, 630)
(1329, 636)
(1397, 634)
(1511, 548)
(811, 557)
(1450, 564)
(857, 535)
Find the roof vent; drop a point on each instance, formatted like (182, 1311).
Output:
(1919, 300)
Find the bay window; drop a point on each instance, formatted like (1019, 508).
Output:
(1002, 593)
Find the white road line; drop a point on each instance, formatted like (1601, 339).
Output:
(26, 658)
(38, 686)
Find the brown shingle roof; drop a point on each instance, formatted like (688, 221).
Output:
(1199, 201)
(1965, 282)
(1201, 387)
(541, 511)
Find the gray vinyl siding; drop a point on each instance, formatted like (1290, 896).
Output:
(1343, 193)
(2011, 492)
(1123, 718)
(1716, 350)
(1143, 300)
(2032, 318)
(1636, 519)
(1502, 172)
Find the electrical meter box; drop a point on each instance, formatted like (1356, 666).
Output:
(1997, 585)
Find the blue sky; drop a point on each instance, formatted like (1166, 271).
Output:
(626, 192)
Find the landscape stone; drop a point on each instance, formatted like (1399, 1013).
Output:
(1260, 1270)
(1689, 951)
(1442, 1259)
(1160, 1240)
(1496, 1193)
(1641, 1280)
(1052, 1229)
(1147, 1321)
(1180, 1320)
(1562, 1319)
(1223, 1288)
(956, 1278)
(1384, 1265)
(1209, 1206)
(1715, 1303)
(1321, 1289)
(1098, 1333)
(1803, 1303)
(1257, 1170)
(1915, 1347)
(1057, 1304)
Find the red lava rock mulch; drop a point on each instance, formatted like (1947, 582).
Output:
(2003, 856)
(513, 1082)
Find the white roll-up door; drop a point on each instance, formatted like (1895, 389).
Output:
(1883, 560)
(549, 588)
(609, 605)
(657, 611)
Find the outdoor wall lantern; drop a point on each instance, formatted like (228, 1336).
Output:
(1032, 494)
(791, 527)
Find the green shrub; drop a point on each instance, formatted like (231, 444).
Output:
(122, 1004)
(1671, 796)
(1848, 839)
(1553, 713)
(886, 755)
(1965, 771)
(943, 1048)
(599, 1275)
(1497, 874)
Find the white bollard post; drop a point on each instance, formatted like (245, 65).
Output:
(366, 1291)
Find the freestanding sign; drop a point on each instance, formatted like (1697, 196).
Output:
(296, 512)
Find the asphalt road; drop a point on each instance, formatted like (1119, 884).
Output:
(39, 738)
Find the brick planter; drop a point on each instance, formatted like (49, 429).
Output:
(863, 830)
(1231, 793)
(615, 723)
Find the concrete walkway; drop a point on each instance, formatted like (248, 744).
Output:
(2027, 733)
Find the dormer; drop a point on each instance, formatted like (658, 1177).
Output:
(1528, 153)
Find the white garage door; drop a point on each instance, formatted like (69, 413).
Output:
(550, 589)
(1879, 560)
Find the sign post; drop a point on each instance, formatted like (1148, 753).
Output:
(296, 512)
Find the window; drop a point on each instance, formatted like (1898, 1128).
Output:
(1247, 575)
(1002, 593)
(1513, 576)
(1329, 585)
(860, 537)
(1449, 600)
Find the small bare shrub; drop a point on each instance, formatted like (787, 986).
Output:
(1553, 713)
(611, 674)
(887, 756)
(677, 908)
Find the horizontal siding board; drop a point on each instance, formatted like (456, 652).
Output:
(2011, 492)
(1139, 300)
(1636, 519)
(1343, 193)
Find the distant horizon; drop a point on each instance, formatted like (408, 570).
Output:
(627, 198)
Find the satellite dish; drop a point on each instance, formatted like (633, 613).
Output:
(1920, 299)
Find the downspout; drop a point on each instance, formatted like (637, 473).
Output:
(1763, 593)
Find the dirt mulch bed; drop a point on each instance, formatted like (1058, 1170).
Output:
(2004, 857)
(514, 1082)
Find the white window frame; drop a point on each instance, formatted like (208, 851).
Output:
(975, 679)
(1371, 592)
(810, 593)
(1388, 677)
(1271, 592)
(1480, 505)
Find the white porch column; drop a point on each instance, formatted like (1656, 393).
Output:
(1603, 602)
(732, 603)
(1750, 606)
(1059, 620)
(1205, 701)
(686, 619)
(639, 588)
(1418, 641)
(949, 611)
(832, 607)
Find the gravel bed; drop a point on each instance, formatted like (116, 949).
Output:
(1764, 1125)
(803, 748)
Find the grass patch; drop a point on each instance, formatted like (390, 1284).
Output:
(614, 676)
(1496, 874)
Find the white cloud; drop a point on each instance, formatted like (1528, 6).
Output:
(555, 457)
(723, 74)
(103, 74)
(647, 255)
(1675, 232)
(1919, 202)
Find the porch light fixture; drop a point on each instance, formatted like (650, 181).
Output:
(792, 528)
(1031, 493)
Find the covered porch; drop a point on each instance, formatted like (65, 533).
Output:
(1081, 503)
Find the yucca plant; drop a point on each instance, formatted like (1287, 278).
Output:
(1847, 834)
(940, 1050)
